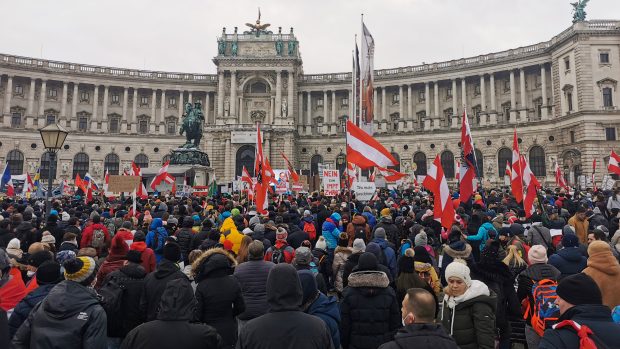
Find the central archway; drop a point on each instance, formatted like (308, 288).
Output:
(245, 157)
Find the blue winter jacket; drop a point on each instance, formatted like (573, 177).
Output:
(326, 308)
(569, 261)
(483, 234)
(330, 232)
(157, 227)
(372, 221)
(23, 308)
(390, 256)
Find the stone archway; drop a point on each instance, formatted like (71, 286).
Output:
(245, 157)
(571, 160)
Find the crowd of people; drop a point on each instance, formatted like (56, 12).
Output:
(311, 272)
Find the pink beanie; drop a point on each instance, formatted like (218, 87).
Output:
(537, 255)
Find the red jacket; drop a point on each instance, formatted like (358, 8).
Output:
(13, 291)
(126, 235)
(111, 263)
(87, 236)
(148, 256)
(289, 252)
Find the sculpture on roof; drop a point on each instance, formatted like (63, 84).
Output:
(258, 28)
(579, 13)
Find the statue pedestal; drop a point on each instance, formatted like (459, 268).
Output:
(189, 156)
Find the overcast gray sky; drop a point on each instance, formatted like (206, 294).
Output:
(181, 35)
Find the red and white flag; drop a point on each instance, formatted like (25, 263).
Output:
(28, 185)
(516, 179)
(291, 169)
(367, 77)
(351, 174)
(162, 176)
(365, 151)
(467, 168)
(371, 177)
(245, 177)
(532, 188)
(614, 163)
(593, 174)
(560, 182)
(262, 175)
(391, 175)
(436, 182)
(141, 191)
(508, 169)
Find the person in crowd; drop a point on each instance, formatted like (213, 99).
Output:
(369, 308)
(455, 248)
(155, 282)
(147, 255)
(603, 267)
(516, 264)
(70, 316)
(485, 232)
(96, 236)
(358, 228)
(285, 318)
(69, 243)
(6, 234)
(304, 260)
(173, 327)
(156, 238)
(296, 235)
(243, 254)
(341, 254)
(49, 241)
(408, 277)
(230, 231)
(387, 251)
(318, 304)
(468, 311)
(115, 260)
(569, 260)
(390, 229)
(581, 305)
(12, 287)
(419, 327)
(202, 235)
(308, 224)
(357, 249)
(252, 278)
(125, 232)
(184, 238)
(280, 252)
(33, 261)
(580, 223)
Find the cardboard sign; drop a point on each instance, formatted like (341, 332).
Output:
(120, 184)
(608, 183)
(364, 191)
(331, 182)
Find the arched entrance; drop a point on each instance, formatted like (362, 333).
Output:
(314, 180)
(245, 157)
(572, 166)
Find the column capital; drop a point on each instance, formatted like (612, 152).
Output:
(233, 72)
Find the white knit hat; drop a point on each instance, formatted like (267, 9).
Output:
(459, 269)
(321, 243)
(358, 246)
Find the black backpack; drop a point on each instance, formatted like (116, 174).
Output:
(360, 232)
(277, 256)
(111, 294)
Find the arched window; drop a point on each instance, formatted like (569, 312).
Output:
(314, 164)
(420, 163)
(537, 161)
(479, 163)
(142, 161)
(503, 156)
(447, 162)
(112, 164)
(245, 157)
(80, 164)
(397, 157)
(15, 160)
(45, 166)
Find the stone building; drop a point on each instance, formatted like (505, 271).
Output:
(560, 94)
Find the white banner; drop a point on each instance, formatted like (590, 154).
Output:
(364, 191)
(331, 182)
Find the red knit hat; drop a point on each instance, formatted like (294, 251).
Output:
(118, 247)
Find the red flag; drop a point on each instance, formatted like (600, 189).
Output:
(559, 178)
(141, 191)
(391, 175)
(365, 151)
(262, 180)
(162, 176)
(532, 187)
(79, 183)
(351, 174)
(291, 169)
(436, 182)
(614, 163)
(516, 179)
(245, 177)
(468, 161)
(593, 174)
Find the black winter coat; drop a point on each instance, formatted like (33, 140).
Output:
(4, 330)
(252, 278)
(27, 235)
(198, 239)
(569, 261)
(23, 308)
(370, 313)
(55, 230)
(295, 238)
(154, 286)
(131, 277)
(184, 238)
(350, 263)
(5, 236)
(422, 336)
(218, 294)
(69, 317)
(596, 317)
(391, 230)
(68, 246)
(172, 328)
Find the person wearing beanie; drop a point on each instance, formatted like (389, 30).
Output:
(408, 277)
(296, 235)
(456, 248)
(55, 319)
(581, 301)
(468, 311)
(537, 270)
(388, 252)
(155, 282)
(252, 277)
(304, 260)
(49, 240)
(569, 260)
(125, 232)
(603, 267)
(369, 308)
(88, 236)
(115, 260)
(320, 305)
(48, 275)
(391, 231)
(357, 249)
(281, 252)
(341, 254)
(147, 255)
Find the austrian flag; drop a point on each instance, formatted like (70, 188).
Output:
(365, 151)
(436, 182)
(162, 176)
(614, 163)
(391, 175)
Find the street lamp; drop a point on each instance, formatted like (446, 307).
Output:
(53, 136)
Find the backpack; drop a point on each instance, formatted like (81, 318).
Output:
(541, 308)
(98, 238)
(277, 255)
(360, 232)
(587, 338)
(111, 300)
(550, 247)
(109, 223)
(314, 268)
(310, 229)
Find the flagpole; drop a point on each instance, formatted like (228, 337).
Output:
(346, 162)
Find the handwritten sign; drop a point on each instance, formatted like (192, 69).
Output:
(120, 184)
(331, 182)
(364, 191)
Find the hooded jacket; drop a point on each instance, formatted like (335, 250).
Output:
(154, 286)
(330, 232)
(218, 294)
(603, 267)
(470, 317)
(370, 313)
(172, 328)
(156, 238)
(87, 236)
(341, 254)
(358, 221)
(390, 256)
(69, 317)
(326, 308)
(285, 326)
(569, 261)
(149, 262)
(252, 277)
(234, 236)
(347, 269)
(422, 336)
(458, 249)
(131, 277)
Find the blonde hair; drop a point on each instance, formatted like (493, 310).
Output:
(513, 256)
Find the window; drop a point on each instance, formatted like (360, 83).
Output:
(449, 92)
(16, 119)
(116, 98)
(143, 127)
(345, 101)
(603, 57)
(45, 166)
(419, 159)
(504, 156)
(319, 102)
(569, 101)
(144, 100)
(112, 164)
(477, 90)
(507, 85)
(567, 63)
(537, 161)
(421, 96)
(83, 123)
(572, 136)
(395, 98)
(15, 161)
(172, 101)
(258, 87)
(18, 90)
(607, 97)
(171, 127)
(479, 163)
(84, 96)
(50, 119)
(80, 164)
(610, 133)
(52, 93)
(142, 161)
(421, 114)
(114, 125)
(447, 162)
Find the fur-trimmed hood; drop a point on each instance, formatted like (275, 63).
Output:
(368, 278)
(213, 262)
(459, 249)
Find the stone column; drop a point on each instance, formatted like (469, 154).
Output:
(543, 80)
(180, 106)
(375, 106)
(333, 121)
(409, 107)
(427, 100)
(94, 119)
(455, 94)
(30, 109)
(125, 119)
(76, 89)
(300, 112)
(483, 101)
(190, 98)
(436, 102)
(325, 111)
(220, 94)
(523, 109)
(290, 93)
(401, 108)
(154, 121)
(42, 96)
(513, 98)
(463, 93)
(63, 102)
(134, 112)
(309, 114)
(161, 121)
(493, 116)
(233, 93)
(384, 111)
(228, 161)
(207, 107)
(104, 117)
(279, 94)
(8, 94)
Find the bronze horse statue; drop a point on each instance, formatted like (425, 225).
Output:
(192, 125)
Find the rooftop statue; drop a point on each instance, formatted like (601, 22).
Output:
(192, 125)
(258, 28)
(579, 13)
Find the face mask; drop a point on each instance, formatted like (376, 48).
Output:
(31, 273)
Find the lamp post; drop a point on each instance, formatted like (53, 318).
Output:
(53, 136)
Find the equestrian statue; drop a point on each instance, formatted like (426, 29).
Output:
(192, 125)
